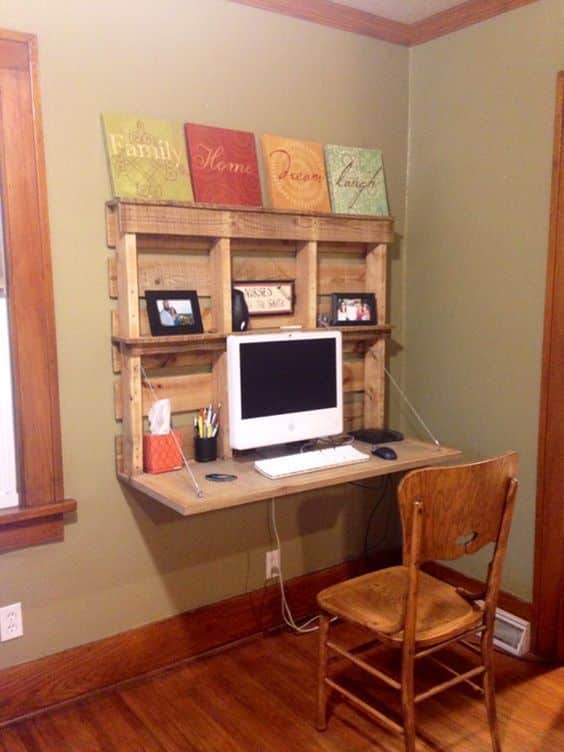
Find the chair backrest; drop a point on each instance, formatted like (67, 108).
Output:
(463, 506)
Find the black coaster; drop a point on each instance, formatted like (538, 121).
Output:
(220, 477)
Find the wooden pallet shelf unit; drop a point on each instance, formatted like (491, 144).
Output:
(205, 248)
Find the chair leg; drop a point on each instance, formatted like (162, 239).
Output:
(489, 687)
(322, 692)
(408, 699)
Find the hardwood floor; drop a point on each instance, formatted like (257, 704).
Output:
(259, 696)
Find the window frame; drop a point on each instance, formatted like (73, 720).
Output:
(39, 516)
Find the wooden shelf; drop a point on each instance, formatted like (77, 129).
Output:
(175, 489)
(204, 220)
(213, 341)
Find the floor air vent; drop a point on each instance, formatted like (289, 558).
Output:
(511, 633)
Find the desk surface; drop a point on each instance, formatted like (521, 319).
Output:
(175, 488)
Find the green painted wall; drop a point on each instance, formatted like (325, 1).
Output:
(467, 293)
(481, 120)
(127, 561)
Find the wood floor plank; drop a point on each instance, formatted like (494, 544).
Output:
(10, 741)
(71, 725)
(259, 696)
(232, 708)
(46, 734)
(179, 719)
(280, 672)
(115, 727)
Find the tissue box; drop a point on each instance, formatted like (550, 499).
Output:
(161, 453)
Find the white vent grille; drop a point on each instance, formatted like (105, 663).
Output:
(511, 633)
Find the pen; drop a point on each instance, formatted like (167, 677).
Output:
(206, 423)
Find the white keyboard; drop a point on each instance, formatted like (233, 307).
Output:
(309, 462)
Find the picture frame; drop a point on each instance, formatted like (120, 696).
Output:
(353, 309)
(268, 297)
(173, 312)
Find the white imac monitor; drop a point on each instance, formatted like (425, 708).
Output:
(283, 387)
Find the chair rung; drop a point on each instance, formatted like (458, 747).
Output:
(452, 671)
(362, 664)
(451, 683)
(473, 648)
(384, 720)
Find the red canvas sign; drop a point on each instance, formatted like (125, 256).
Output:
(224, 165)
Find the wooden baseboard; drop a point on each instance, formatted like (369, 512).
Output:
(33, 686)
(57, 678)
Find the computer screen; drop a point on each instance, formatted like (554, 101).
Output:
(284, 387)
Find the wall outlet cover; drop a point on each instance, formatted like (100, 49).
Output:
(272, 564)
(11, 624)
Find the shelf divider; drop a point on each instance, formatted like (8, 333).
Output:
(306, 284)
(220, 274)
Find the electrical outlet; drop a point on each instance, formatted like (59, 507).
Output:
(11, 625)
(272, 563)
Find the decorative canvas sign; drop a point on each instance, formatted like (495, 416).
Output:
(147, 158)
(296, 174)
(224, 165)
(356, 180)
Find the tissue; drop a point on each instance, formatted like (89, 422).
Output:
(161, 451)
(159, 417)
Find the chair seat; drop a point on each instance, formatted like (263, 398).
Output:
(377, 601)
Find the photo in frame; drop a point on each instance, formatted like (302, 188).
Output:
(268, 297)
(173, 312)
(353, 309)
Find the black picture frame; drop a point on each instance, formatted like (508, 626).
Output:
(186, 317)
(353, 309)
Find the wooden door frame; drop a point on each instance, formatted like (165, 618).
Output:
(548, 599)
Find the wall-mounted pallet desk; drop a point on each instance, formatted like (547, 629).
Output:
(167, 246)
(176, 491)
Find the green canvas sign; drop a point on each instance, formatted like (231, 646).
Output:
(356, 180)
(147, 158)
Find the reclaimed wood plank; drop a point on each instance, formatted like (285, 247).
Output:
(186, 393)
(207, 221)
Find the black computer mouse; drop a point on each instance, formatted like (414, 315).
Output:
(385, 453)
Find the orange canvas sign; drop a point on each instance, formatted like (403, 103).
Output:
(295, 172)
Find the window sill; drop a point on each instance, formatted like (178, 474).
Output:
(29, 526)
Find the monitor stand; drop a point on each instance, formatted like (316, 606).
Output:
(269, 452)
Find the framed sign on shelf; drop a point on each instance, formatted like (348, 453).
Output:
(268, 297)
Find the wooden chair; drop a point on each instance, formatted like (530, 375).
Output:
(445, 513)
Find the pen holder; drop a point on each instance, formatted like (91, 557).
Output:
(205, 450)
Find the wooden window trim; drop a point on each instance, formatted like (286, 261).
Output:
(39, 518)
